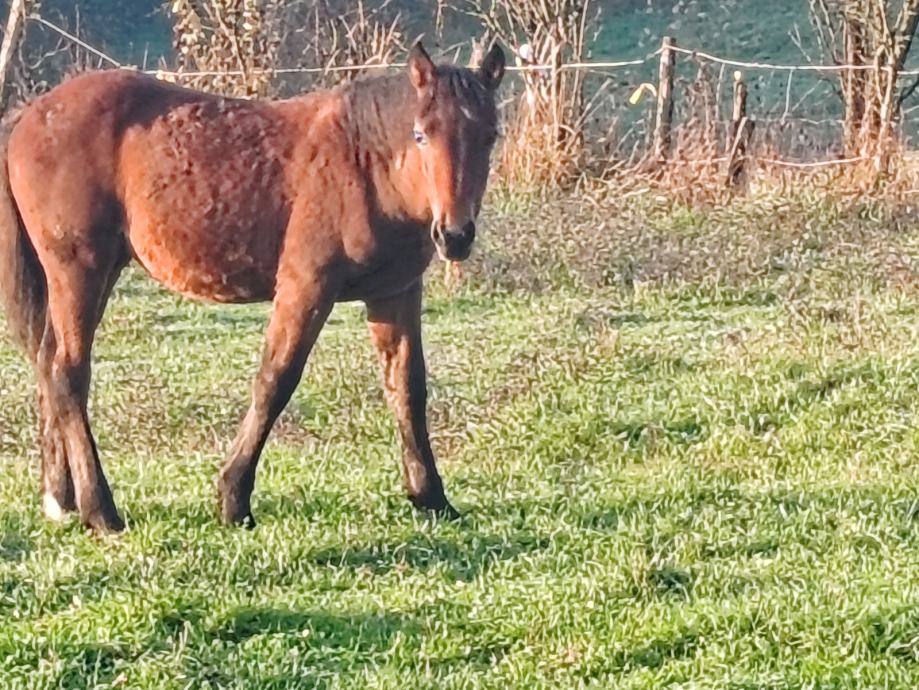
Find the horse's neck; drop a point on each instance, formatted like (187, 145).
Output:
(397, 195)
(388, 160)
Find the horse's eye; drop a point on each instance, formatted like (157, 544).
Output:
(420, 138)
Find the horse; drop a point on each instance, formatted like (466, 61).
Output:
(332, 196)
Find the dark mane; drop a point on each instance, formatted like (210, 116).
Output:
(381, 109)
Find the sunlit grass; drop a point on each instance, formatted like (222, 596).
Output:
(667, 481)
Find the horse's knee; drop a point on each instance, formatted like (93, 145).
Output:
(68, 381)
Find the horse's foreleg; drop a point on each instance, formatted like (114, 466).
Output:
(395, 328)
(294, 326)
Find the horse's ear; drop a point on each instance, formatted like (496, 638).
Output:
(421, 70)
(491, 71)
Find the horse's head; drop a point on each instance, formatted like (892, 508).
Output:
(455, 128)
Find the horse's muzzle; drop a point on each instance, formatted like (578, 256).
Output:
(453, 244)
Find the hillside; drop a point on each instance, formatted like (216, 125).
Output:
(138, 31)
(741, 28)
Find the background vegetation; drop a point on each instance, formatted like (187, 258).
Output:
(744, 28)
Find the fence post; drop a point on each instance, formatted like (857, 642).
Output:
(664, 122)
(740, 132)
(17, 17)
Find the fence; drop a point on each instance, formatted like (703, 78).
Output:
(795, 107)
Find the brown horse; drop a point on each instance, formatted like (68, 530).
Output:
(332, 196)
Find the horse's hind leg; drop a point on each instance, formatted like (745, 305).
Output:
(58, 494)
(77, 294)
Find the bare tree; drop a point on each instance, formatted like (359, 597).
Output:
(550, 33)
(875, 36)
(19, 10)
(44, 56)
(339, 37)
(240, 42)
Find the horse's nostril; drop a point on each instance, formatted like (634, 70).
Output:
(454, 243)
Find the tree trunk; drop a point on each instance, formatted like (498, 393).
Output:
(14, 25)
(854, 84)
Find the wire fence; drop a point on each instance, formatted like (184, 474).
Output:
(797, 107)
(593, 65)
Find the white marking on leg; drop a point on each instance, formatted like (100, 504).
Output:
(51, 507)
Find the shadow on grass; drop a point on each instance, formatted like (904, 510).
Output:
(336, 646)
(219, 648)
(267, 507)
(193, 513)
(356, 632)
(458, 550)
(333, 645)
(31, 600)
(14, 546)
(462, 557)
(680, 644)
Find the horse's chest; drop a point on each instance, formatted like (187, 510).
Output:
(386, 260)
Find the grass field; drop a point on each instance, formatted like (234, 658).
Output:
(685, 443)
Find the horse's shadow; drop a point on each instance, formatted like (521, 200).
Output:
(459, 550)
(327, 643)
(360, 632)
(331, 646)
(462, 557)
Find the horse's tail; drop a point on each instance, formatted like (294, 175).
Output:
(23, 285)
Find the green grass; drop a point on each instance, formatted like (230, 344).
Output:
(693, 473)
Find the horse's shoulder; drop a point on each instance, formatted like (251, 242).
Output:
(316, 121)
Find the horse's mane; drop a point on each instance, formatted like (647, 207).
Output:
(382, 108)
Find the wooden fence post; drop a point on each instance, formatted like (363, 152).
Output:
(664, 121)
(14, 23)
(740, 132)
(739, 109)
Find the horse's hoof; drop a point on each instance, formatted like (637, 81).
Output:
(233, 514)
(247, 521)
(438, 507)
(103, 523)
(448, 512)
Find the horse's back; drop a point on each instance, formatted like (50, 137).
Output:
(85, 116)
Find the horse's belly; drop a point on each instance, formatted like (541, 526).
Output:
(224, 263)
